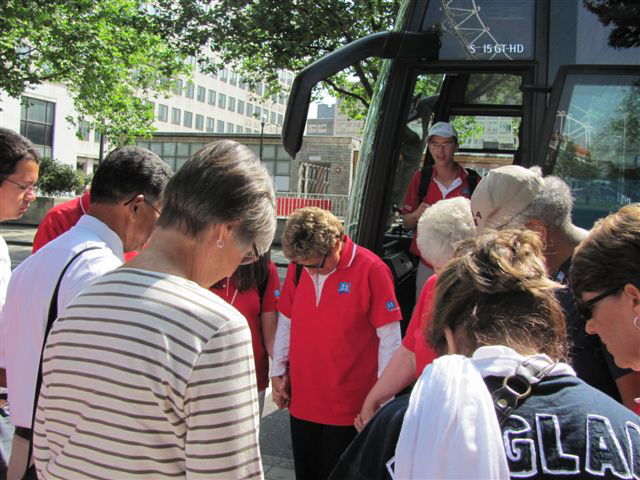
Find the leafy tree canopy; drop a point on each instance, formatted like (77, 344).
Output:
(260, 37)
(111, 55)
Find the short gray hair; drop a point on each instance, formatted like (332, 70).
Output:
(552, 205)
(441, 227)
(223, 183)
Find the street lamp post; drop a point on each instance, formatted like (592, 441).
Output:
(263, 121)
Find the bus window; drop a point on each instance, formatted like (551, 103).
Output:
(595, 142)
(482, 29)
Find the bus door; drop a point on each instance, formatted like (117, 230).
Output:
(591, 137)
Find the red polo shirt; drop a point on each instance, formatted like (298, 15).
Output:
(60, 219)
(333, 352)
(251, 306)
(415, 337)
(433, 195)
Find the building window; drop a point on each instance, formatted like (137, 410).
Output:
(230, 127)
(242, 84)
(222, 100)
(259, 88)
(163, 112)
(202, 93)
(280, 119)
(84, 130)
(220, 127)
(277, 161)
(36, 123)
(249, 109)
(257, 112)
(231, 104)
(175, 116)
(281, 99)
(188, 119)
(223, 74)
(234, 78)
(272, 118)
(211, 124)
(212, 97)
(241, 107)
(190, 91)
(177, 87)
(199, 122)
(238, 129)
(96, 136)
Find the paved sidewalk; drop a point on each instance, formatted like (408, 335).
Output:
(274, 434)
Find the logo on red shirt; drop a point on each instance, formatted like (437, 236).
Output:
(391, 306)
(344, 287)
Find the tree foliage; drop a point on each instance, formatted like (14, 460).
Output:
(111, 56)
(56, 178)
(261, 37)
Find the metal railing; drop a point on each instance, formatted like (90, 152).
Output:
(290, 201)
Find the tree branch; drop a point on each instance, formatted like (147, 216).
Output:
(347, 93)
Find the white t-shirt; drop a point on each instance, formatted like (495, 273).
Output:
(29, 295)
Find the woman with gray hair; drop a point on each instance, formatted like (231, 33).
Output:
(440, 228)
(153, 371)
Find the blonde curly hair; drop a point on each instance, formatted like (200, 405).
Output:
(309, 232)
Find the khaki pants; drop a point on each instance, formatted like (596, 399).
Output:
(18, 460)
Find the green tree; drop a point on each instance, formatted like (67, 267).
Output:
(261, 37)
(57, 178)
(111, 55)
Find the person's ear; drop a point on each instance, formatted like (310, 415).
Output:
(452, 346)
(633, 293)
(134, 205)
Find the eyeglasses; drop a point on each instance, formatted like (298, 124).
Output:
(145, 201)
(320, 265)
(251, 257)
(585, 309)
(23, 187)
(441, 145)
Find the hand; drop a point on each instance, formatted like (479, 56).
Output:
(368, 410)
(281, 390)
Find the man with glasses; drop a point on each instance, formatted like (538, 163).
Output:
(516, 197)
(448, 180)
(126, 194)
(18, 174)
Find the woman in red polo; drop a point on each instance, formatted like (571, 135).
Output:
(338, 326)
(254, 290)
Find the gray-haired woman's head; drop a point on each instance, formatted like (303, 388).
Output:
(222, 183)
(441, 227)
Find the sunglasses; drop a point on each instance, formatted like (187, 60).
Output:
(251, 257)
(318, 266)
(585, 309)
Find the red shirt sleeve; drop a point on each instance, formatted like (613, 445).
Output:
(272, 292)
(411, 200)
(383, 307)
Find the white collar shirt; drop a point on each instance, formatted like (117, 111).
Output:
(26, 309)
(5, 271)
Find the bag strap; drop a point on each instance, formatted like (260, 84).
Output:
(425, 177)
(53, 314)
(516, 387)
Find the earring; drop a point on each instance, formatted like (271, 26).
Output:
(635, 322)
(220, 243)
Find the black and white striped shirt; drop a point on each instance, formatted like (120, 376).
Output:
(148, 375)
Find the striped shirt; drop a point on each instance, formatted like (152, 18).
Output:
(148, 375)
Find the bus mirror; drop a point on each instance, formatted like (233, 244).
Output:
(419, 45)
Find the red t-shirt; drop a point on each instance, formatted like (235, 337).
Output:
(433, 195)
(333, 350)
(415, 337)
(249, 304)
(61, 218)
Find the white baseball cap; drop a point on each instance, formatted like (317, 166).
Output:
(442, 129)
(502, 194)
